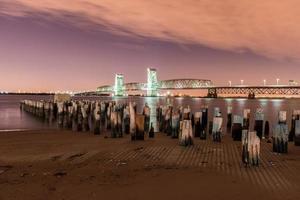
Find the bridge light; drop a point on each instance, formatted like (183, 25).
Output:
(152, 82)
(119, 84)
(229, 83)
(265, 82)
(242, 82)
(277, 81)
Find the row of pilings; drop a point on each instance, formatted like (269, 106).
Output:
(116, 119)
(108, 118)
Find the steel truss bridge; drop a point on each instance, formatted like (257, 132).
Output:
(212, 91)
(162, 85)
(276, 90)
(154, 85)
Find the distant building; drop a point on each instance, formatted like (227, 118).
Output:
(293, 83)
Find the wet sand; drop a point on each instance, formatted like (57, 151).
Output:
(66, 165)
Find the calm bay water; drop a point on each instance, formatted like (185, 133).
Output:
(11, 117)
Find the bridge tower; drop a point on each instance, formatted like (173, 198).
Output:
(212, 93)
(119, 85)
(152, 83)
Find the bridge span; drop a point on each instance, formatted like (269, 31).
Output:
(153, 86)
(267, 90)
(219, 91)
(161, 85)
(215, 91)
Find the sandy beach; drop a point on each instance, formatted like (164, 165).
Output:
(53, 164)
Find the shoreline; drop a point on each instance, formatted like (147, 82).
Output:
(52, 164)
(15, 130)
(28, 130)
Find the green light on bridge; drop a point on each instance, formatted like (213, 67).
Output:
(119, 85)
(152, 83)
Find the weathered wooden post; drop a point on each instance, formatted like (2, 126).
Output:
(217, 128)
(186, 133)
(295, 116)
(97, 117)
(237, 128)
(280, 134)
(175, 124)
(251, 148)
(229, 118)
(197, 124)
(259, 123)
(246, 120)
(204, 121)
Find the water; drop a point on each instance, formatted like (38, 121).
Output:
(11, 116)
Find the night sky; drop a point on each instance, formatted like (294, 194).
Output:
(48, 45)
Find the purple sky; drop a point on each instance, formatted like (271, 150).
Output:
(52, 48)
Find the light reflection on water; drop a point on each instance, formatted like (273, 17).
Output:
(12, 118)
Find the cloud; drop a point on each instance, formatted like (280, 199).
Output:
(269, 28)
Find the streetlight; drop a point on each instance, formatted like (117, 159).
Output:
(265, 82)
(229, 83)
(242, 82)
(277, 80)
